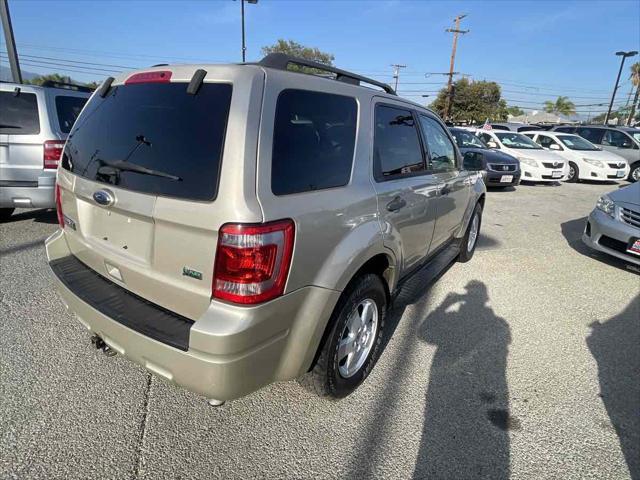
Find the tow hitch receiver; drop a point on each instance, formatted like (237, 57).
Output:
(100, 344)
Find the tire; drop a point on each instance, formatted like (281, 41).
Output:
(467, 248)
(634, 173)
(329, 376)
(576, 173)
(5, 213)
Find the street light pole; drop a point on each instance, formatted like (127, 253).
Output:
(10, 42)
(244, 46)
(624, 56)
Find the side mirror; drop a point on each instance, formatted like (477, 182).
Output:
(472, 161)
(492, 144)
(554, 146)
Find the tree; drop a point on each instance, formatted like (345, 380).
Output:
(515, 111)
(54, 77)
(297, 50)
(562, 105)
(635, 80)
(473, 102)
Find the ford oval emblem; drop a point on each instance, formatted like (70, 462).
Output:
(104, 197)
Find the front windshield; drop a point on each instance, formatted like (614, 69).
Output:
(467, 140)
(636, 135)
(517, 140)
(574, 142)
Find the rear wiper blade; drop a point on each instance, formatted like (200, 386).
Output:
(125, 166)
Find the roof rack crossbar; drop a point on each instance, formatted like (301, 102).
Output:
(281, 61)
(68, 86)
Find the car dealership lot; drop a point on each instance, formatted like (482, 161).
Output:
(521, 363)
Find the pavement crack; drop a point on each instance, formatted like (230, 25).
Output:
(143, 427)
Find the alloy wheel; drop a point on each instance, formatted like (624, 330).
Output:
(357, 338)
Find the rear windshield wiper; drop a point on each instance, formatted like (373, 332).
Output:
(126, 166)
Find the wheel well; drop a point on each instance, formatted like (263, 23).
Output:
(377, 265)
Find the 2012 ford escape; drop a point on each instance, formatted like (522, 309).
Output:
(228, 226)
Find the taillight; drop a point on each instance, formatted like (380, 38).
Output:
(52, 153)
(59, 207)
(149, 77)
(252, 261)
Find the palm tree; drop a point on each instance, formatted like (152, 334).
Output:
(562, 105)
(635, 80)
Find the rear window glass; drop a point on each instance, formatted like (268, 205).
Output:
(19, 114)
(313, 141)
(153, 138)
(68, 108)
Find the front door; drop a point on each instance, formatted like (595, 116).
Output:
(453, 192)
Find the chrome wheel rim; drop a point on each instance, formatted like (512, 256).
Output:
(636, 174)
(572, 172)
(357, 338)
(473, 232)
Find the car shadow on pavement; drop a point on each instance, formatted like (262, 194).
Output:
(615, 345)
(572, 232)
(466, 426)
(37, 215)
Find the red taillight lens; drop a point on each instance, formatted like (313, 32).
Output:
(59, 207)
(149, 77)
(252, 261)
(52, 153)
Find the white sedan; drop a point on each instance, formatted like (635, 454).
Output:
(586, 161)
(536, 163)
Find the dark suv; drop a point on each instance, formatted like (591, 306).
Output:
(623, 141)
(502, 170)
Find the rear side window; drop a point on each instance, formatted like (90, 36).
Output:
(19, 114)
(67, 109)
(594, 135)
(153, 138)
(396, 145)
(313, 141)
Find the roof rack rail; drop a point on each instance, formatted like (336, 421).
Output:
(68, 86)
(281, 61)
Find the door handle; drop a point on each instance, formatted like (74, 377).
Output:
(396, 204)
(445, 190)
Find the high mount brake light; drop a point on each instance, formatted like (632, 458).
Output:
(52, 153)
(162, 76)
(252, 261)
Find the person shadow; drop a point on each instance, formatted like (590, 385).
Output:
(615, 345)
(466, 426)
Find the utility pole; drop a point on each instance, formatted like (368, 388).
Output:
(10, 41)
(624, 56)
(456, 30)
(396, 73)
(244, 47)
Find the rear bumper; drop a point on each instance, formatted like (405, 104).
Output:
(232, 351)
(610, 236)
(38, 194)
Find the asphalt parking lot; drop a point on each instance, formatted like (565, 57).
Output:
(523, 363)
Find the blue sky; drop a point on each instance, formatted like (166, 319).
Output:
(536, 50)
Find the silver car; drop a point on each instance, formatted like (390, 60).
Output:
(614, 225)
(34, 125)
(229, 226)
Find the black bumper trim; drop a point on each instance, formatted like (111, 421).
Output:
(121, 305)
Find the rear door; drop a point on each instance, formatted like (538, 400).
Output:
(406, 191)
(21, 151)
(143, 184)
(453, 181)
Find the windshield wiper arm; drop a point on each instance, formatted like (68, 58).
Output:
(125, 166)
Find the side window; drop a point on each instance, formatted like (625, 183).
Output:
(313, 141)
(545, 141)
(486, 137)
(396, 143)
(19, 114)
(594, 135)
(68, 108)
(616, 139)
(442, 156)
(565, 129)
